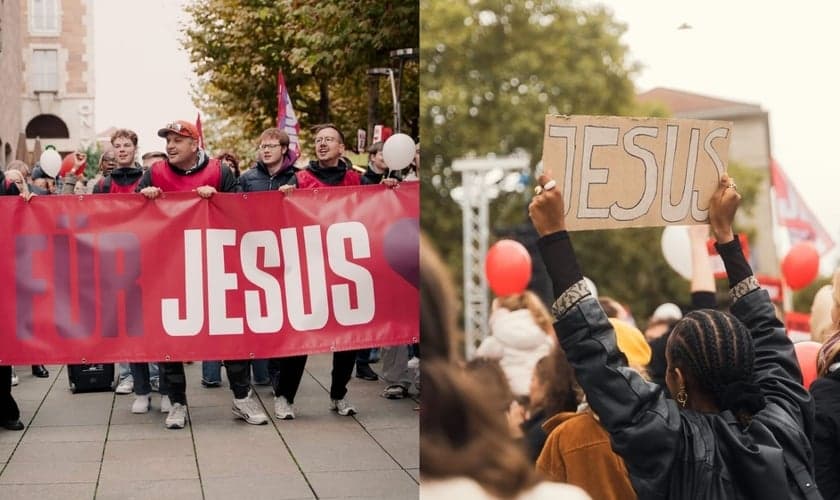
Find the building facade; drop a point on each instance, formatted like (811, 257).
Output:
(57, 103)
(11, 80)
(749, 146)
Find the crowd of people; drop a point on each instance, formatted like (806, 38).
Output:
(573, 400)
(184, 166)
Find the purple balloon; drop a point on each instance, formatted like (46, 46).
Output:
(402, 249)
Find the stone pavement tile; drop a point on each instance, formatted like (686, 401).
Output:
(397, 414)
(6, 450)
(60, 472)
(7, 437)
(121, 489)
(148, 470)
(65, 434)
(265, 487)
(62, 491)
(53, 414)
(344, 450)
(384, 484)
(122, 416)
(415, 473)
(156, 430)
(214, 414)
(64, 452)
(150, 449)
(402, 444)
(228, 452)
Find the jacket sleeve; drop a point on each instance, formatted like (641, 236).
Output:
(550, 462)
(644, 427)
(490, 348)
(145, 181)
(827, 452)
(776, 368)
(229, 181)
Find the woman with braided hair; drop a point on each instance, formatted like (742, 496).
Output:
(741, 423)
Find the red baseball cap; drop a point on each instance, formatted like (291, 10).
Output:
(180, 127)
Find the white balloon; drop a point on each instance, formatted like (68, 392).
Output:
(676, 247)
(50, 162)
(398, 151)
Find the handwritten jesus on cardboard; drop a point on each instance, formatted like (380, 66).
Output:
(635, 172)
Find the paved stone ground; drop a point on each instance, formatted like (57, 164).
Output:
(85, 446)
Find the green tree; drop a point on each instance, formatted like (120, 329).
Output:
(490, 71)
(323, 48)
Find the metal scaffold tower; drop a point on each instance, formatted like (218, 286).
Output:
(478, 179)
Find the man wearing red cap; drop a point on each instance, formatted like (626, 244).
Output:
(189, 168)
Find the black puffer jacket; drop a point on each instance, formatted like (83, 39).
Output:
(257, 178)
(676, 453)
(826, 392)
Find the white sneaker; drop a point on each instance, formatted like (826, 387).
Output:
(126, 386)
(413, 363)
(177, 417)
(15, 379)
(165, 404)
(342, 407)
(141, 404)
(249, 410)
(283, 409)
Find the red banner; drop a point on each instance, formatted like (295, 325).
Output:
(101, 278)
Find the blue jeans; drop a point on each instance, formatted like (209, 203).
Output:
(143, 374)
(211, 371)
(260, 368)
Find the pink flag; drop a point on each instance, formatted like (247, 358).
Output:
(793, 214)
(286, 119)
(200, 131)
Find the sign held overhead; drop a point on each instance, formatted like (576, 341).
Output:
(635, 172)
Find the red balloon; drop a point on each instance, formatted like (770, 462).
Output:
(806, 355)
(67, 165)
(508, 267)
(801, 265)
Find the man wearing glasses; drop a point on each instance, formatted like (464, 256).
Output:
(330, 168)
(188, 168)
(276, 164)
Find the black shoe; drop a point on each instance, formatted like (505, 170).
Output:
(363, 371)
(40, 371)
(12, 425)
(211, 383)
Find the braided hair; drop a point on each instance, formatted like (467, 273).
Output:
(717, 349)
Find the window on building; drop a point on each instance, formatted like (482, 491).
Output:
(45, 70)
(43, 15)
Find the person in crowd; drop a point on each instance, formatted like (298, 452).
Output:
(107, 163)
(826, 392)
(329, 168)
(489, 373)
(152, 157)
(577, 449)
(466, 450)
(188, 168)
(740, 424)
(519, 337)
(821, 323)
(702, 297)
(229, 160)
(12, 182)
(552, 391)
(43, 183)
(663, 319)
(398, 372)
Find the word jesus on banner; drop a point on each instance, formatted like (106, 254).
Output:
(633, 172)
(254, 275)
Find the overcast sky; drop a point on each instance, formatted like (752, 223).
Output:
(778, 55)
(142, 74)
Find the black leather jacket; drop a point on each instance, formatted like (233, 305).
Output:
(677, 453)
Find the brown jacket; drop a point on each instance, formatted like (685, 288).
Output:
(577, 451)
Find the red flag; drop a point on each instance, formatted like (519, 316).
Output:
(286, 118)
(200, 131)
(794, 214)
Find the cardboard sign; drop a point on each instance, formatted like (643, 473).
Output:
(635, 172)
